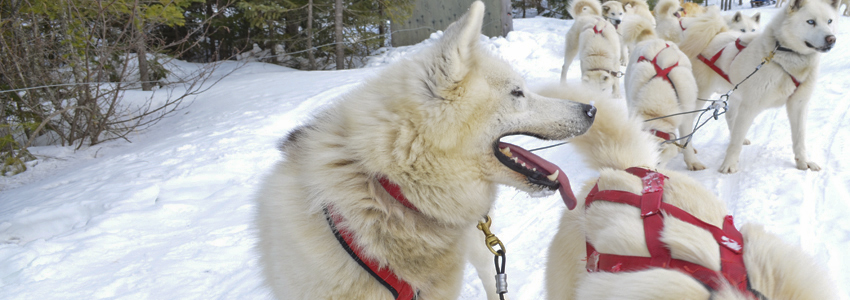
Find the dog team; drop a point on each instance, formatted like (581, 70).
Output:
(379, 194)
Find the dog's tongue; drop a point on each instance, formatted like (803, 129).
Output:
(564, 187)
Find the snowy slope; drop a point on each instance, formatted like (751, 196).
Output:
(169, 215)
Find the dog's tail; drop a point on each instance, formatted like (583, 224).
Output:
(579, 8)
(615, 140)
(635, 29)
(699, 31)
(666, 7)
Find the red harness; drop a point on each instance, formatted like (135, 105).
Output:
(658, 70)
(661, 134)
(711, 63)
(730, 240)
(596, 31)
(400, 289)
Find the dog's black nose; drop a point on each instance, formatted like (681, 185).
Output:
(830, 39)
(616, 22)
(590, 111)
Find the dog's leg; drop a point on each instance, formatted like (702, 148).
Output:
(482, 260)
(688, 102)
(797, 111)
(744, 114)
(565, 265)
(730, 120)
(624, 53)
(571, 46)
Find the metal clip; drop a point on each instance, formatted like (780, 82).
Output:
(490, 239)
(768, 58)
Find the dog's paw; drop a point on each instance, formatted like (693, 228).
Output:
(729, 168)
(695, 166)
(807, 165)
(747, 142)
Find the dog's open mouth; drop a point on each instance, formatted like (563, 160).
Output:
(823, 49)
(536, 170)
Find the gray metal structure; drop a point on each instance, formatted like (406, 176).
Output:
(432, 15)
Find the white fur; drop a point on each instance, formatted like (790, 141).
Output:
(598, 53)
(428, 123)
(639, 7)
(667, 15)
(739, 22)
(578, 8)
(615, 142)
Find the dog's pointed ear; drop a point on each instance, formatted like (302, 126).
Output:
(737, 17)
(456, 47)
(605, 9)
(757, 17)
(835, 3)
(779, 270)
(796, 5)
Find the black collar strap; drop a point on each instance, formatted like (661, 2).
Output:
(783, 49)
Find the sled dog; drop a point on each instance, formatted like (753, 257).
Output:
(742, 23)
(613, 12)
(667, 16)
(398, 172)
(607, 248)
(597, 43)
(791, 46)
(659, 83)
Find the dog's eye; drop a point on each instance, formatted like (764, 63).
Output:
(811, 22)
(743, 30)
(517, 93)
(829, 21)
(753, 30)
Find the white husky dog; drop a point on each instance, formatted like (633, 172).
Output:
(790, 46)
(742, 23)
(668, 14)
(614, 11)
(659, 82)
(680, 245)
(597, 43)
(400, 170)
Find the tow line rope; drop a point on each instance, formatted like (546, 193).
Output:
(718, 106)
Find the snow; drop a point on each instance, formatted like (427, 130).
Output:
(169, 216)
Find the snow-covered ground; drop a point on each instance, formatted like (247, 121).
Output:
(169, 216)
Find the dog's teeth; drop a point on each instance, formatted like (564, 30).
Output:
(522, 164)
(554, 176)
(506, 151)
(515, 159)
(534, 169)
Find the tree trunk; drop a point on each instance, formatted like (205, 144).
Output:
(310, 56)
(523, 8)
(144, 77)
(211, 44)
(340, 48)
